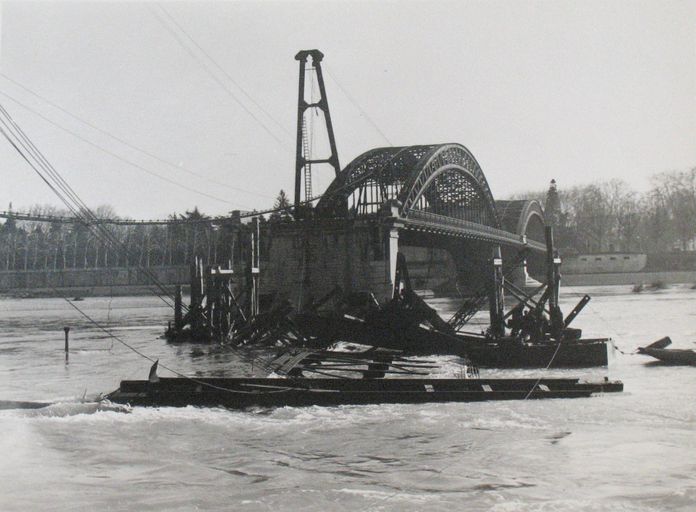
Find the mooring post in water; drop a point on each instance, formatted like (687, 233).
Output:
(67, 342)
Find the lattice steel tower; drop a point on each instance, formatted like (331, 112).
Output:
(303, 154)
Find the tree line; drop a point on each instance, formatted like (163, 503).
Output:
(599, 217)
(612, 216)
(31, 245)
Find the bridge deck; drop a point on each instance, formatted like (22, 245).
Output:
(434, 223)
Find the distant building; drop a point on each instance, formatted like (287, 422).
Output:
(597, 263)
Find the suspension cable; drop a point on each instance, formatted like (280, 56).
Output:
(151, 359)
(115, 155)
(215, 78)
(38, 162)
(218, 66)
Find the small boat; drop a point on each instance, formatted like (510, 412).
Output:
(673, 356)
(335, 388)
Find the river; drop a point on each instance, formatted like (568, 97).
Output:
(630, 451)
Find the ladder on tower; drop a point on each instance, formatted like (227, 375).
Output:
(307, 153)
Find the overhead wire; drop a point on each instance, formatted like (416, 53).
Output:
(223, 71)
(114, 155)
(215, 78)
(77, 206)
(125, 142)
(150, 358)
(84, 221)
(38, 162)
(155, 156)
(28, 153)
(131, 222)
(356, 105)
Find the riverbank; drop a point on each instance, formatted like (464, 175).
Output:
(629, 278)
(89, 291)
(687, 278)
(90, 282)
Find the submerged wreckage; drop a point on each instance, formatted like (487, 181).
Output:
(350, 248)
(532, 334)
(308, 372)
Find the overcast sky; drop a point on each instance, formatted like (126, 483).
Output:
(579, 91)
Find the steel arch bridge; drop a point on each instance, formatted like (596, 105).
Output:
(523, 217)
(439, 189)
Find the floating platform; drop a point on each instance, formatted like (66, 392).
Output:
(240, 393)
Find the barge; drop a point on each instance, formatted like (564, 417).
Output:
(345, 379)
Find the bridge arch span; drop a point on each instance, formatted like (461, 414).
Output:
(440, 179)
(449, 181)
(534, 221)
(522, 217)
